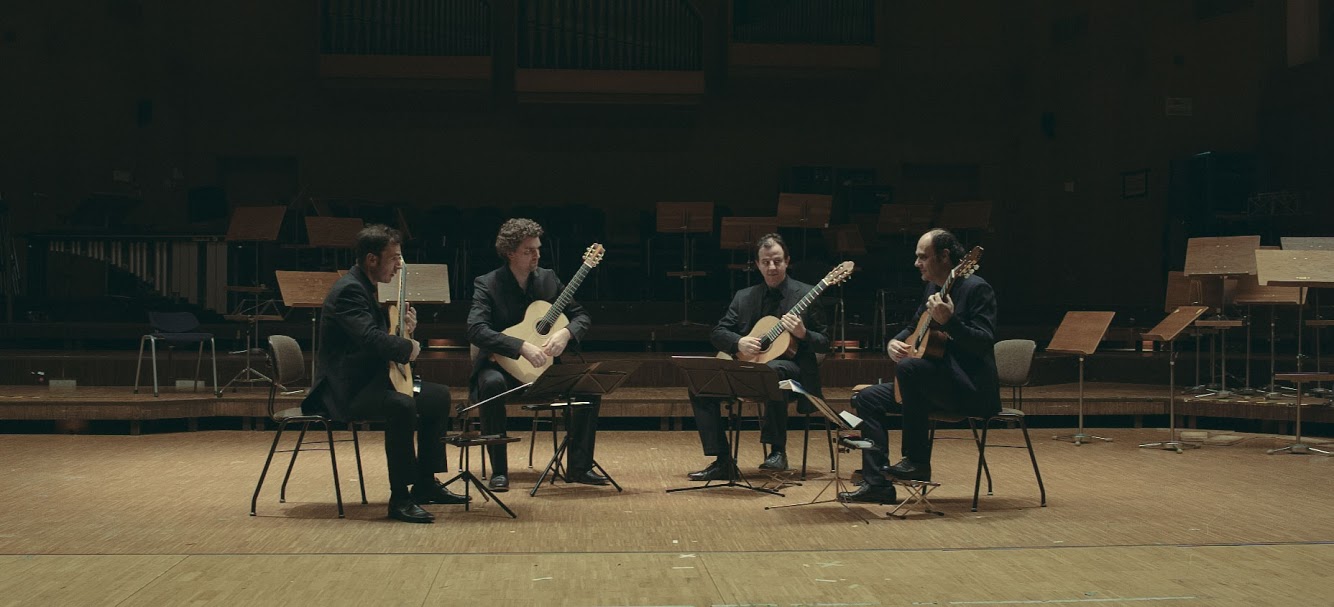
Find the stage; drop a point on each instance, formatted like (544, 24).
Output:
(163, 519)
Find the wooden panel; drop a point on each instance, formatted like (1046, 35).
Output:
(405, 67)
(615, 82)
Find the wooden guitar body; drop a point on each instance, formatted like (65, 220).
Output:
(782, 346)
(400, 374)
(527, 330)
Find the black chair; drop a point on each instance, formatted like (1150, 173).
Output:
(175, 329)
(289, 367)
(1014, 363)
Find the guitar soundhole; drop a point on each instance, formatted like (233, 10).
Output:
(543, 328)
(765, 342)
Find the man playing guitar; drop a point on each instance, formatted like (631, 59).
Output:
(962, 381)
(775, 297)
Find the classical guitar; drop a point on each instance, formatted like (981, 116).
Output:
(775, 340)
(400, 374)
(927, 340)
(541, 319)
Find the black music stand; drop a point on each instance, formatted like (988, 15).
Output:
(255, 225)
(733, 381)
(805, 211)
(558, 379)
(596, 379)
(685, 218)
(1079, 334)
(261, 310)
(1167, 331)
(845, 440)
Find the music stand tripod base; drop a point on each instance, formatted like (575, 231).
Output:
(465, 474)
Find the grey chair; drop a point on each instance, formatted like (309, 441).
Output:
(175, 329)
(1014, 363)
(289, 367)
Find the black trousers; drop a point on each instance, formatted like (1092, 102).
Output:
(491, 380)
(927, 387)
(426, 413)
(773, 426)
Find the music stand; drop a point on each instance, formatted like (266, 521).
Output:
(265, 310)
(307, 290)
(1250, 293)
(333, 232)
(1219, 257)
(804, 211)
(1167, 331)
(905, 220)
(1298, 447)
(685, 218)
(844, 441)
(1301, 269)
(961, 216)
(1181, 291)
(741, 234)
(848, 242)
(428, 283)
(597, 379)
(1079, 334)
(733, 381)
(1313, 243)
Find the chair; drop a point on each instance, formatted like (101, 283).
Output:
(1014, 362)
(290, 367)
(175, 329)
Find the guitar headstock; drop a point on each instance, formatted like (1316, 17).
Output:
(968, 265)
(593, 255)
(840, 273)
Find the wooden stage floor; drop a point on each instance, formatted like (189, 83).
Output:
(163, 519)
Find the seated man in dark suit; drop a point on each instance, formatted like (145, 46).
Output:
(775, 297)
(352, 378)
(962, 383)
(500, 299)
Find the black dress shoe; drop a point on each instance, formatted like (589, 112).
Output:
(499, 483)
(587, 477)
(776, 461)
(908, 470)
(870, 494)
(409, 512)
(434, 493)
(717, 471)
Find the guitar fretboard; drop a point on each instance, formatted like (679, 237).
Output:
(798, 309)
(566, 296)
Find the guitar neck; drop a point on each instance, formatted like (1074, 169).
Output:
(798, 309)
(402, 298)
(566, 296)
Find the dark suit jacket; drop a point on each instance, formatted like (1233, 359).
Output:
(971, 349)
(745, 311)
(355, 346)
(498, 304)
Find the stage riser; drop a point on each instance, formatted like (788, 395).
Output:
(656, 370)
